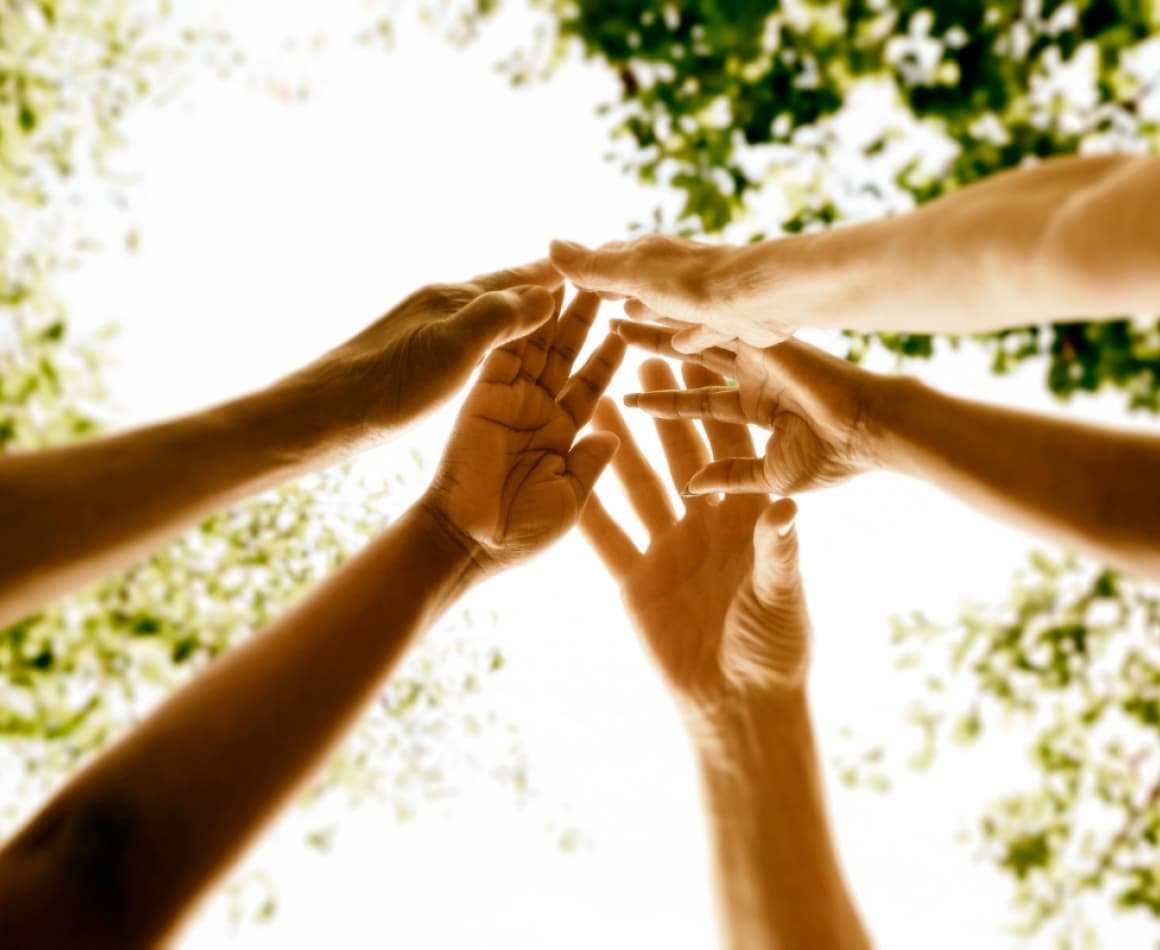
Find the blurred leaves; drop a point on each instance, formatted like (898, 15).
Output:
(1070, 664)
(82, 671)
(752, 116)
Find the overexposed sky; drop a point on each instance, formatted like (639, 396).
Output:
(271, 230)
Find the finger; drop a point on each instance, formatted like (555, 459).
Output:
(698, 338)
(658, 340)
(588, 458)
(730, 476)
(726, 439)
(608, 270)
(499, 317)
(570, 336)
(540, 272)
(712, 402)
(775, 547)
(640, 311)
(643, 486)
(684, 448)
(538, 345)
(579, 395)
(608, 540)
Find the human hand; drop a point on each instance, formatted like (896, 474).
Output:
(717, 596)
(821, 411)
(719, 292)
(511, 480)
(425, 349)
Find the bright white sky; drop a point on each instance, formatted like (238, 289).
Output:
(272, 230)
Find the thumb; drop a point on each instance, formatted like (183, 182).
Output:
(775, 552)
(610, 275)
(730, 476)
(588, 459)
(494, 318)
(698, 338)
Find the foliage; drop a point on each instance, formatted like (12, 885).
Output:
(753, 111)
(80, 672)
(1072, 661)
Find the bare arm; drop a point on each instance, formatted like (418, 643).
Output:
(76, 513)
(122, 853)
(778, 876)
(1066, 238)
(1093, 489)
(127, 847)
(1088, 488)
(718, 600)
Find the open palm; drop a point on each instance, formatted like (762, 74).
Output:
(717, 623)
(511, 479)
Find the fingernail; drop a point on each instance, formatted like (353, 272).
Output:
(784, 530)
(632, 400)
(615, 325)
(689, 492)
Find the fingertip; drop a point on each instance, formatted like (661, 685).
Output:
(567, 254)
(780, 517)
(632, 400)
(697, 486)
(655, 373)
(636, 309)
(605, 415)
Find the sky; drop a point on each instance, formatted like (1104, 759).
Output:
(272, 230)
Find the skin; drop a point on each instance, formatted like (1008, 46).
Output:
(122, 854)
(831, 420)
(74, 514)
(1065, 238)
(718, 600)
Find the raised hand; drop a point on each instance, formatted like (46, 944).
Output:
(717, 596)
(817, 406)
(425, 349)
(718, 291)
(511, 479)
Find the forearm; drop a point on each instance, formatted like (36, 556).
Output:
(174, 803)
(74, 514)
(778, 878)
(1096, 490)
(1069, 237)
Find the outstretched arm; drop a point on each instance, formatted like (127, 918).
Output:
(74, 514)
(1093, 489)
(121, 854)
(1070, 237)
(718, 600)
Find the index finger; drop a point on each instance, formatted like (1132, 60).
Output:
(535, 272)
(726, 439)
(658, 340)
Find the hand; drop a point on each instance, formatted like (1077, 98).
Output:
(511, 480)
(425, 349)
(717, 596)
(819, 408)
(718, 292)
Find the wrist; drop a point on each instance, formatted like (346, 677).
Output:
(734, 734)
(447, 537)
(887, 422)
